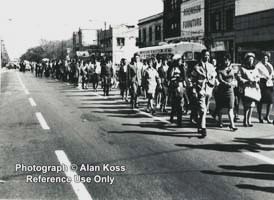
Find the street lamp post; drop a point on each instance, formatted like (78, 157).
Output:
(105, 23)
(0, 52)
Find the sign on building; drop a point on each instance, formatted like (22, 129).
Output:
(89, 37)
(192, 18)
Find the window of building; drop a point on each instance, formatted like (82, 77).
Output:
(215, 21)
(229, 19)
(140, 37)
(158, 32)
(150, 33)
(144, 35)
(120, 41)
(173, 4)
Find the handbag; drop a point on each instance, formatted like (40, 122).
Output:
(253, 93)
(269, 83)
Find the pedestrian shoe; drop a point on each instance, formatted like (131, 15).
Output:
(250, 125)
(261, 120)
(193, 121)
(203, 132)
(267, 120)
(233, 128)
(220, 125)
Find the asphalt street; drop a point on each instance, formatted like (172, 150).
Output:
(44, 122)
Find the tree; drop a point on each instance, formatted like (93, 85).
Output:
(47, 49)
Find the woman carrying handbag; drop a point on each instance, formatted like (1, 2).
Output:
(248, 77)
(266, 85)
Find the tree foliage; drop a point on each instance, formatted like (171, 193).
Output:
(47, 49)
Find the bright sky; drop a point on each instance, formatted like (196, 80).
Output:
(23, 23)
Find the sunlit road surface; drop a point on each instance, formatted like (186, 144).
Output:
(109, 151)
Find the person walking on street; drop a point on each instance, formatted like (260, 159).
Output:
(225, 93)
(204, 76)
(162, 71)
(136, 69)
(248, 78)
(84, 74)
(124, 79)
(266, 72)
(107, 74)
(176, 90)
(151, 78)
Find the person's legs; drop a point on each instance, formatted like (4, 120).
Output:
(173, 110)
(249, 115)
(259, 109)
(231, 119)
(268, 110)
(202, 112)
(104, 85)
(179, 110)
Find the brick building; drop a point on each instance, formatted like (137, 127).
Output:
(254, 27)
(151, 30)
(172, 19)
(220, 27)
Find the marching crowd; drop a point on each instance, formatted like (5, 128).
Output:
(170, 81)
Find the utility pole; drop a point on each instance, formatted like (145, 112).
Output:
(105, 23)
(0, 52)
(62, 57)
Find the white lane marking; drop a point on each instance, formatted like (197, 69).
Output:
(26, 91)
(20, 80)
(260, 157)
(22, 84)
(32, 102)
(42, 121)
(78, 187)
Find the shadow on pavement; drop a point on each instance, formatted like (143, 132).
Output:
(256, 188)
(258, 172)
(227, 147)
(255, 141)
(159, 133)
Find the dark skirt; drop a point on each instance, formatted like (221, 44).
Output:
(225, 97)
(266, 92)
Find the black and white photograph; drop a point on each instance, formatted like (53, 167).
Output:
(136, 99)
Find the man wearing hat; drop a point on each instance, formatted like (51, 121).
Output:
(204, 76)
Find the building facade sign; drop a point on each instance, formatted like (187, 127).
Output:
(89, 37)
(192, 18)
